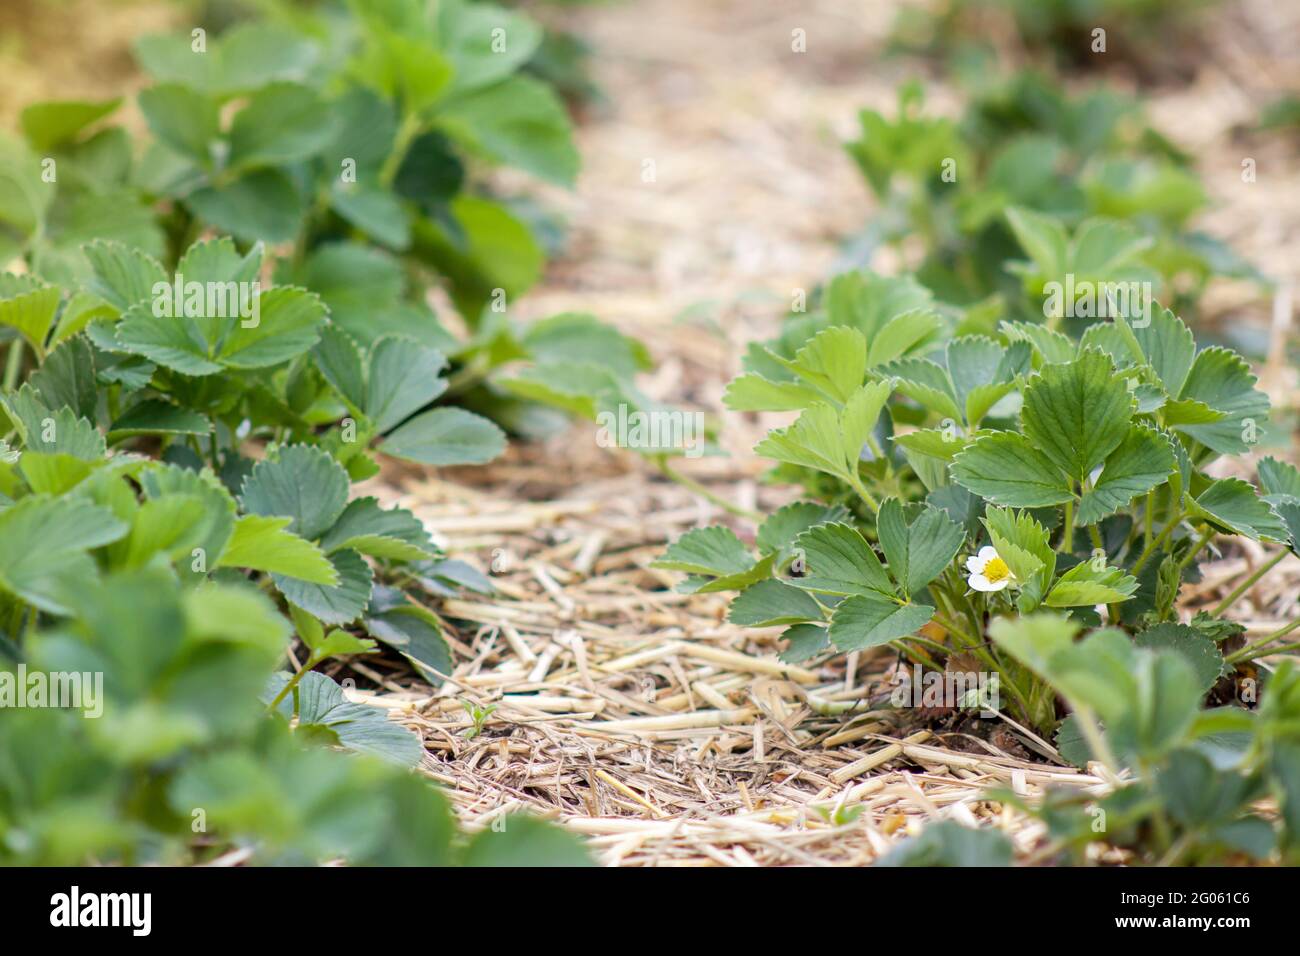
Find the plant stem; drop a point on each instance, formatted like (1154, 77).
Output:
(1096, 739)
(13, 365)
(1067, 533)
(690, 483)
(861, 489)
(1148, 516)
(1152, 545)
(1257, 649)
(1246, 585)
(1196, 549)
(312, 661)
(406, 134)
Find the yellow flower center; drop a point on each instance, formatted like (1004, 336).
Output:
(996, 570)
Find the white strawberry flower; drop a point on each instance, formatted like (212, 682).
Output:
(988, 572)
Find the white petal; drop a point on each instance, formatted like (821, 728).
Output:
(988, 553)
(980, 583)
(975, 565)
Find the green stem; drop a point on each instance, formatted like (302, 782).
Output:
(1148, 516)
(1067, 534)
(14, 365)
(1246, 585)
(1153, 545)
(690, 483)
(1257, 649)
(406, 134)
(1096, 739)
(311, 662)
(1196, 549)
(861, 489)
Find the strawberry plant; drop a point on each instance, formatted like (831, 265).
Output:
(344, 142)
(987, 498)
(977, 480)
(1078, 181)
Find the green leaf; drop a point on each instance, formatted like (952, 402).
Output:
(389, 533)
(806, 641)
(66, 528)
(282, 123)
(123, 276)
(1006, 469)
(838, 560)
(917, 553)
(525, 841)
(1144, 460)
(1168, 347)
(773, 602)
(869, 620)
(1084, 585)
(469, 31)
(713, 551)
(1025, 546)
(446, 436)
(828, 440)
(302, 483)
(949, 844)
(404, 377)
(183, 119)
(288, 326)
(32, 314)
(754, 393)
(266, 544)
(339, 604)
(1231, 504)
(519, 121)
(154, 416)
(262, 205)
(834, 361)
(359, 727)
(411, 630)
(1043, 238)
(1077, 414)
(1222, 380)
(67, 378)
(1279, 477)
(47, 125)
(1194, 646)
